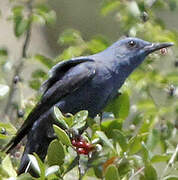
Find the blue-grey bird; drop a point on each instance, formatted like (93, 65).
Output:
(83, 83)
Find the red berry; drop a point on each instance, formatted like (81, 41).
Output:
(88, 145)
(163, 51)
(17, 154)
(80, 138)
(86, 152)
(81, 150)
(81, 144)
(74, 142)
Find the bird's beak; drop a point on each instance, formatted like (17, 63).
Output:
(156, 46)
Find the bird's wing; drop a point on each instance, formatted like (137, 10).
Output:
(58, 71)
(71, 77)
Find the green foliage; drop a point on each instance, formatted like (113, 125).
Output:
(43, 15)
(109, 6)
(44, 60)
(78, 46)
(120, 106)
(21, 24)
(150, 173)
(7, 167)
(139, 129)
(56, 153)
(62, 136)
(104, 138)
(112, 173)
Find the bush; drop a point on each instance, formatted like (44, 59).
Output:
(137, 137)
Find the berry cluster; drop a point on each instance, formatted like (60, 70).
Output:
(82, 146)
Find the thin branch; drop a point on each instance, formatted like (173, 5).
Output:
(136, 173)
(171, 162)
(151, 96)
(79, 168)
(20, 65)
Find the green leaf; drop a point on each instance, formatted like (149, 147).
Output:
(3, 52)
(160, 158)
(112, 173)
(8, 127)
(56, 153)
(60, 117)
(39, 73)
(173, 4)
(80, 119)
(97, 44)
(7, 167)
(62, 135)
(147, 125)
(51, 170)
(146, 105)
(133, 8)
(145, 152)
(21, 26)
(35, 84)
(17, 10)
(72, 164)
(122, 140)
(135, 144)
(109, 7)
(108, 125)
(42, 11)
(105, 139)
(171, 177)
(71, 52)
(120, 106)
(70, 36)
(150, 173)
(41, 166)
(36, 18)
(44, 60)
(98, 170)
(20, 23)
(24, 177)
(2, 136)
(153, 139)
(34, 163)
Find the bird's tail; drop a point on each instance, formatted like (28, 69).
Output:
(24, 129)
(38, 140)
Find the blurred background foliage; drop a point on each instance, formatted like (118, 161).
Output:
(138, 137)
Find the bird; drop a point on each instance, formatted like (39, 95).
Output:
(82, 83)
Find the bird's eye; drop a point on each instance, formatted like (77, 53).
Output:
(132, 43)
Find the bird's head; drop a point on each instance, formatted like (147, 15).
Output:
(132, 51)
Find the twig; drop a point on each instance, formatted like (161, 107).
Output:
(171, 161)
(19, 67)
(79, 168)
(151, 96)
(136, 173)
